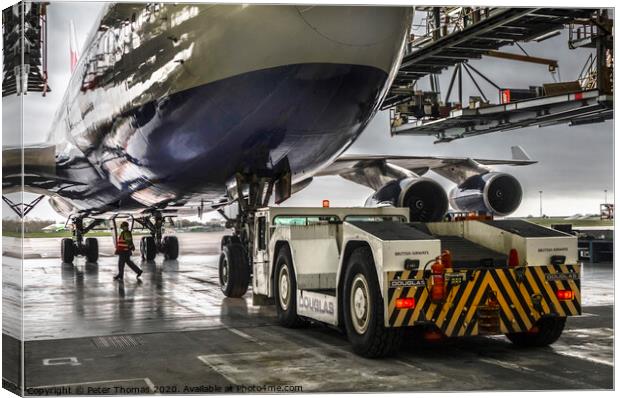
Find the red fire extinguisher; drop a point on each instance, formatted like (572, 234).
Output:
(438, 288)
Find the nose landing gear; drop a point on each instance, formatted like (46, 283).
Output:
(251, 192)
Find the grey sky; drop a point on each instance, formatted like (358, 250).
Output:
(575, 163)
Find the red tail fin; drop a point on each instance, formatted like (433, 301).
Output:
(73, 49)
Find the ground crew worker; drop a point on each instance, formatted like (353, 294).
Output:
(124, 247)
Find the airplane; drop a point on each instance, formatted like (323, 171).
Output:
(56, 227)
(176, 108)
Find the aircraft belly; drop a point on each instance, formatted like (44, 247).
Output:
(308, 113)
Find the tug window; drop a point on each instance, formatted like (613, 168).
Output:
(305, 220)
(375, 218)
(261, 233)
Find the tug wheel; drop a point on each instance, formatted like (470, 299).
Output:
(545, 332)
(363, 309)
(285, 286)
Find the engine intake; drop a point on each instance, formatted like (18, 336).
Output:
(425, 198)
(496, 193)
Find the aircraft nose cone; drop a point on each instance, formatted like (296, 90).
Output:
(357, 26)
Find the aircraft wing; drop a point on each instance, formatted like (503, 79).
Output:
(43, 171)
(363, 169)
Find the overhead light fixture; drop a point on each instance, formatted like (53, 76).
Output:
(546, 36)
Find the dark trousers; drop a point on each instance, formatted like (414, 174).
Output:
(125, 258)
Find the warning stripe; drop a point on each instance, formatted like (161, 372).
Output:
(462, 323)
(420, 293)
(550, 305)
(505, 300)
(575, 286)
(458, 309)
(392, 296)
(401, 314)
(555, 286)
(529, 284)
(509, 284)
(564, 285)
(417, 313)
(515, 290)
(457, 294)
(547, 291)
(434, 310)
(472, 309)
(521, 293)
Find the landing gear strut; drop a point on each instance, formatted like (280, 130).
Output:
(156, 243)
(78, 245)
(253, 192)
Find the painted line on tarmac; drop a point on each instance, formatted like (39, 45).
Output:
(144, 379)
(569, 381)
(151, 385)
(410, 366)
(506, 365)
(597, 340)
(293, 338)
(246, 336)
(524, 369)
(589, 359)
(204, 359)
(584, 315)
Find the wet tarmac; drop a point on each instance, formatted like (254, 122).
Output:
(175, 332)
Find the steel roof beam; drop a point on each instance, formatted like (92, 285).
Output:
(468, 33)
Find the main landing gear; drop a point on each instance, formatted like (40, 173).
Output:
(78, 245)
(156, 243)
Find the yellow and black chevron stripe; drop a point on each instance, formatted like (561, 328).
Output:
(523, 295)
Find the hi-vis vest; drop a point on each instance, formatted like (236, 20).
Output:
(122, 244)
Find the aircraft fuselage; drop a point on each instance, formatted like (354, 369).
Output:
(169, 101)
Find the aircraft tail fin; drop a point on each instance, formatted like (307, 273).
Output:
(518, 153)
(73, 49)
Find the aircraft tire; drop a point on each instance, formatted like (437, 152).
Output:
(228, 240)
(148, 249)
(171, 247)
(92, 250)
(234, 273)
(67, 250)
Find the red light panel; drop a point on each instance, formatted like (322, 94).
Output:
(402, 303)
(565, 294)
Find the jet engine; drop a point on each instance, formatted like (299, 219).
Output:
(425, 198)
(496, 193)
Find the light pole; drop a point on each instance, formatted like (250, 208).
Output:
(605, 197)
(540, 195)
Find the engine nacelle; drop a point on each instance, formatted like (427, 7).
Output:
(496, 193)
(425, 198)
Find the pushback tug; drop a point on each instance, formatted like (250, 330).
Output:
(374, 274)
